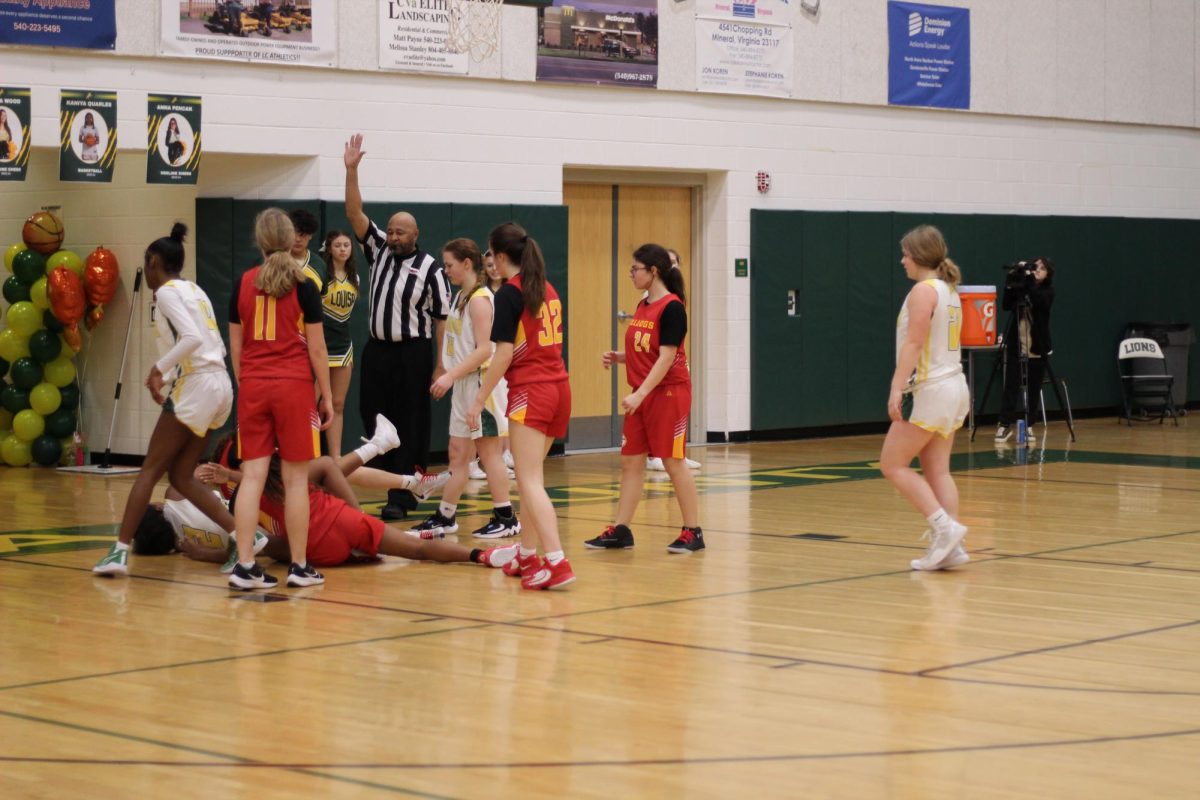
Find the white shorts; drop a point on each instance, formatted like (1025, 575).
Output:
(940, 407)
(492, 422)
(202, 401)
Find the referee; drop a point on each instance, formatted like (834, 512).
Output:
(408, 299)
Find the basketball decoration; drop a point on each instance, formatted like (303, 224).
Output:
(100, 274)
(43, 232)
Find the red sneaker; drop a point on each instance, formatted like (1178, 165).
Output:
(497, 557)
(550, 576)
(519, 567)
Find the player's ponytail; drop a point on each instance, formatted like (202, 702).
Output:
(926, 246)
(658, 257)
(466, 250)
(274, 233)
(169, 249)
(521, 248)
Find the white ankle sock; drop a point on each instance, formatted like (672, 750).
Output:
(447, 509)
(526, 552)
(940, 520)
(367, 451)
(554, 557)
(122, 546)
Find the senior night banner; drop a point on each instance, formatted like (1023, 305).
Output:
(87, 131)
(597, 42)
(929, 55)
(279, 32)
(173, 141)
(412, 36)
(14, 132)
(89, 24)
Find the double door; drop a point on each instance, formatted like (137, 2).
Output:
(606, 223)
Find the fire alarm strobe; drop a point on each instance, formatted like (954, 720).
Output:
(763, 181)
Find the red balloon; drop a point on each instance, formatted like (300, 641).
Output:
(71, 335)
(100, 275)
(95, 315)
(66, 295)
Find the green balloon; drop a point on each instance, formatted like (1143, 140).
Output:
(5, 422)
(11, 253)
(45, 346)
(28, 425)
(24, 318)
(51, 322)
(61, 423)
(46, 451)
(15, 290)
(45, 398)
(70, 396)
(26, 373)
(60, 371)
(3, 367)
(15, 452)
(29, 265)
(14, 400)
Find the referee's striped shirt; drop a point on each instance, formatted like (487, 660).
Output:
(403, 297)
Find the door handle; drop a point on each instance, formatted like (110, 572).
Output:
(622, 315)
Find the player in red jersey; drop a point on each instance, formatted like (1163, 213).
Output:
(656, 412)
(274, 363)
(528, 331)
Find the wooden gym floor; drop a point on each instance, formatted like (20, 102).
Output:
(797, 657)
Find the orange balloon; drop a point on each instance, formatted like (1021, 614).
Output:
(100, 275)
(95, 315)
(72, 337)
(66, 295)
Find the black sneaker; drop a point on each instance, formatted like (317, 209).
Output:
(304, 576)
(690, 540)
(252, 578)
(615, 537)
(392, 512)
(498, 528)
(434, 527)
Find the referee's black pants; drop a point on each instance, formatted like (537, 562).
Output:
(394, 381)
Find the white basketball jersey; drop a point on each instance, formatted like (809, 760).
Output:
(459, 339)
(189, 522)
(940, 357)
(183, 307)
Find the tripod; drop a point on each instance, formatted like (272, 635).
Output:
(1012, 339)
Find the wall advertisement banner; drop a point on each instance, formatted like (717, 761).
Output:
(744, 58)
(87, 132)
(90, 24)
(14, 132)
(599, 43)
(929, 55)
(412, 37)
(778, 12)
(280, 32)
(173, 140)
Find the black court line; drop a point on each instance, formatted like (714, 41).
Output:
(228, 760)
(636, 762)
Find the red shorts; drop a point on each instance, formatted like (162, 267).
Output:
(349, 531)
(545, 407)
(659, 426)
(278, 412)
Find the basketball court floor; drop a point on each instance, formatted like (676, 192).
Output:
(797, 657)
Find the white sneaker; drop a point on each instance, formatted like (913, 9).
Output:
(430, 484)
(691, 464)
(386, 438)
(508, 462)
(655, 465)
(943, 548)
(1031, 434)
(1002, 433)
(475, 472)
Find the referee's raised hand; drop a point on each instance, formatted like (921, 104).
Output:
(354, 152)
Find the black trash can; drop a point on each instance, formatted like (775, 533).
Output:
(1174, 338)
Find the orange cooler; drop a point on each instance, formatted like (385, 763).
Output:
(979, 315)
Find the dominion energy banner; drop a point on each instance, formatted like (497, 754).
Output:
(87, 131)
(173, 142)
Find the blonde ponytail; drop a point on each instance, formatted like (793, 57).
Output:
(926, 246)
(279, 272)
(948, 271)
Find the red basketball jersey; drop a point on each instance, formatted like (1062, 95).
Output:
(537, 348)
(642, 344)
(273, 342)
(323, 510)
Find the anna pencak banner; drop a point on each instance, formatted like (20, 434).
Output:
(173, 138)
(278, 32)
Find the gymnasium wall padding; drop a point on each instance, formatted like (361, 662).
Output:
(225, 248)
(831, 363)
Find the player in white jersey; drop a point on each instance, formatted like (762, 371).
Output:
(198, 401)
(466, 351)
(929, 371)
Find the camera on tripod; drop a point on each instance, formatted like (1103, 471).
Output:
(1016, 274)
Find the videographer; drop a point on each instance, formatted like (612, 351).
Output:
(1028, 295)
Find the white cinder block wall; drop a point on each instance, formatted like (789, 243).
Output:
(1078, 107)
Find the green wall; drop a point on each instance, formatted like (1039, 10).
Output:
(225, 248)
(831, 363)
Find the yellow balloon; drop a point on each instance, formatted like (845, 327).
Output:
(39, 294)
(59, 372)
(28, 425)
(45, 398)
(65, 258)
(11, 253)
(24, 318)
(13, 345)
(6, 420)
(15, 452)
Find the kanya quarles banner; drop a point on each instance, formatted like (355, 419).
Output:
(87, 131)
